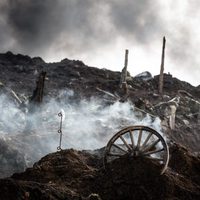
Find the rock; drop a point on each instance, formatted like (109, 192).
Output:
(38, 61)
(186, 122)
(145, 76)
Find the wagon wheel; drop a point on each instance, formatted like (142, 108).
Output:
(138, 141)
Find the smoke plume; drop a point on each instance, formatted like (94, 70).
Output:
(87, 124)
(38, 24)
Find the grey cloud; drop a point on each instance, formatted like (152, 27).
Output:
(34, 24)
(180, 42)
(184, 43)
(136, 20)
(38, 24)
(78, 27)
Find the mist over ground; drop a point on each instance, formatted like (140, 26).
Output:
(87, 124)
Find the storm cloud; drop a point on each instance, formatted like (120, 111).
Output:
(38, 24)
(56, 28)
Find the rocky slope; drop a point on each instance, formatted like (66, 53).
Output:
(72, 174)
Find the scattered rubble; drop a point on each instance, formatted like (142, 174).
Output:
(71, 174)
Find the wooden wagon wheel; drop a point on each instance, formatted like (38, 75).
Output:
(138, 141)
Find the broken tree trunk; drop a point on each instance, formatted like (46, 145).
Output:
(162, 68)
(35, 100)
(39, 90)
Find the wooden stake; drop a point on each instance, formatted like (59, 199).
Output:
(38, 92)
(162, 68)
(124, 70)
(125, 64)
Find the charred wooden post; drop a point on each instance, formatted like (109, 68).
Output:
(34, 101)
(172, 116)
(123, 83)
(170, 111)
(124, 70)
(37, 96)
(162, 68)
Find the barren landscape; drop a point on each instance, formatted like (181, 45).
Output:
(94, 107)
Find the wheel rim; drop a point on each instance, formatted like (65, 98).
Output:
(138, 141)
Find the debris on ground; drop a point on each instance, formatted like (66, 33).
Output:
(80, 175)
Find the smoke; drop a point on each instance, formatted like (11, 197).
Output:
(87, 124)
(32, 23)
(12, 119)
(73, 25)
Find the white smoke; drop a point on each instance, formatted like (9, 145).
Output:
(87, 124)
(12, 119)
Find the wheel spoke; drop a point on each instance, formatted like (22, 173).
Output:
(139, 139)
(132, 139)
(126, 144)
(156, 159)
(151, 146)
(153, 152)
(146, 140)
(118, 147)
(114, 154)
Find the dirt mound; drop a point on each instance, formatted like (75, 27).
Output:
(72, 174)
(141, 179)
(184, 162)
(61, 175)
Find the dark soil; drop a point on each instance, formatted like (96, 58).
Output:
(72, 174)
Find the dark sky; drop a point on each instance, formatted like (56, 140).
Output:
(98, 32)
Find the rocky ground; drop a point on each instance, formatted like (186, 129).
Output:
(72, 174)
